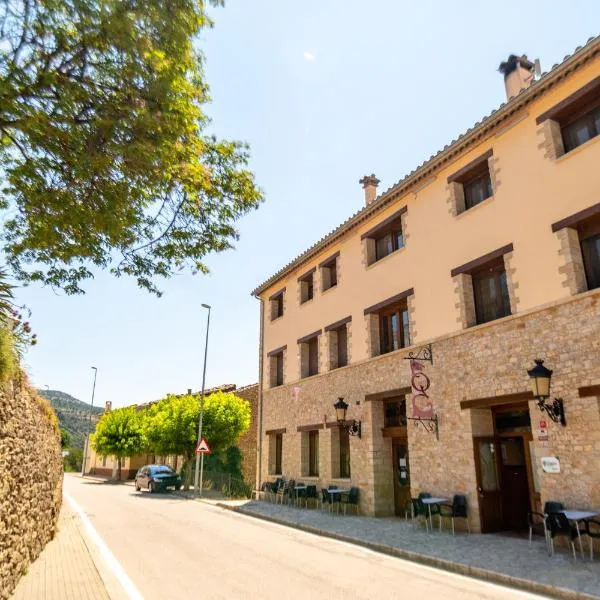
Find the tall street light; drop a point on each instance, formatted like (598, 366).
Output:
(87, 443)
(199, 472)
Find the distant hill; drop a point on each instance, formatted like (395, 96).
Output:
(73, 414)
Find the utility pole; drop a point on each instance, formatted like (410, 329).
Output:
(199, 472)
(87, 441)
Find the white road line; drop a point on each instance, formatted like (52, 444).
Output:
(107, 555)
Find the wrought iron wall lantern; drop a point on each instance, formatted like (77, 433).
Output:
(341, 407)
(540, 386)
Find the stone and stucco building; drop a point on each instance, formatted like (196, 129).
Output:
(488, 257)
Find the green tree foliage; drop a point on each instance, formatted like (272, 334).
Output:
(65, 438)
(103, 143)
(119, 433)
(172, 424)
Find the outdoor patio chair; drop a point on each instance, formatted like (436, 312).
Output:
(325, 499)
(456, 510)
(419, 510)
(553, 507)
(283, 493)
(335, 499)
(299, 496)
(592, 530)
(537, 521)
(311, 494)
(557, 524)
(350, 499)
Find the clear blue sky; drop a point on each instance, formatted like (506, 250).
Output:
(385, 85)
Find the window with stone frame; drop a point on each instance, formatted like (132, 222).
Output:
(385, 238)
(276, 367)
(309, 354)
(394, 328)
(472, 184)
(310, 453)
(344, 447)
(276, 453)
(329, 272)
(490, 291)
(337, 343)
(276, 303)
(573, 121)
(307, 288)
(482, 286)
(579, 237)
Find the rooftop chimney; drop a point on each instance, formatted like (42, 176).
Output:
(519, 73)
(107, 406)
(369, 183)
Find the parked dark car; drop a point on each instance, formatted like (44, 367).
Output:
(156, 478)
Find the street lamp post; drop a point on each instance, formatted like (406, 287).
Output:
(199, 472)
(87, 442)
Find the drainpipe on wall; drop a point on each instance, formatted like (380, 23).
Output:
(260, 395)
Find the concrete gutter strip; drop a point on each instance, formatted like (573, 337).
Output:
(431, 561)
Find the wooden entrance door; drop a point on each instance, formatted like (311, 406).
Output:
(488, 483)
(515, 485)
(401, 475)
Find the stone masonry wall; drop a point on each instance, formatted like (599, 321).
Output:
(247, 443)
(31, 473)
(479, 362)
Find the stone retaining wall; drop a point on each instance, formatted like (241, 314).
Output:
(31, 473)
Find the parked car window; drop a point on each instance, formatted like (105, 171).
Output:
(162, 469)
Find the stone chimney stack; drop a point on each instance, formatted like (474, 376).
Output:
(107, 406)
(519, 74)
(369, 183)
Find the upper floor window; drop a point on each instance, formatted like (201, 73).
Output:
(309, 354)
(329, 274)
(384, 238)
(582, 127)
(337, 341)
(394, 330)
(388, 324)
(307, 287)
(276, 302)
(590, 248)
(276, 362)
(490, 291)
(573, 121)
(471, 185)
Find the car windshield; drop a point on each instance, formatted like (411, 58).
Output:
(162, 469)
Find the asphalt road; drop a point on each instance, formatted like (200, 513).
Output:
(176, 548)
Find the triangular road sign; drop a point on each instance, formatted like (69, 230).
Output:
(203, 447)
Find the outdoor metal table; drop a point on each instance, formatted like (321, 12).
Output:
(429, 502)
(579, 515)
(338, 491)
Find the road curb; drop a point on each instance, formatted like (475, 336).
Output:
(424, 559)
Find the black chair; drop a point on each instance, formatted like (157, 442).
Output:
(458, 509)
(311, 494)
(553, 507)
(557, 524)
(592, 530)
(351, 499)
(325, 499)
(427, 509)
(537, 521)
(334, 498)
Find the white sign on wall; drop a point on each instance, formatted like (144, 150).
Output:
(550, 464)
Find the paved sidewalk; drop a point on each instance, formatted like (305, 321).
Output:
(500, 558)
(65, 569)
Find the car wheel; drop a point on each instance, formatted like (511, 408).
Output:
(137, 487)
(152, 487)
(177, 488)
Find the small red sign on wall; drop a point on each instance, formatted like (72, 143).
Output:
(543, 425)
